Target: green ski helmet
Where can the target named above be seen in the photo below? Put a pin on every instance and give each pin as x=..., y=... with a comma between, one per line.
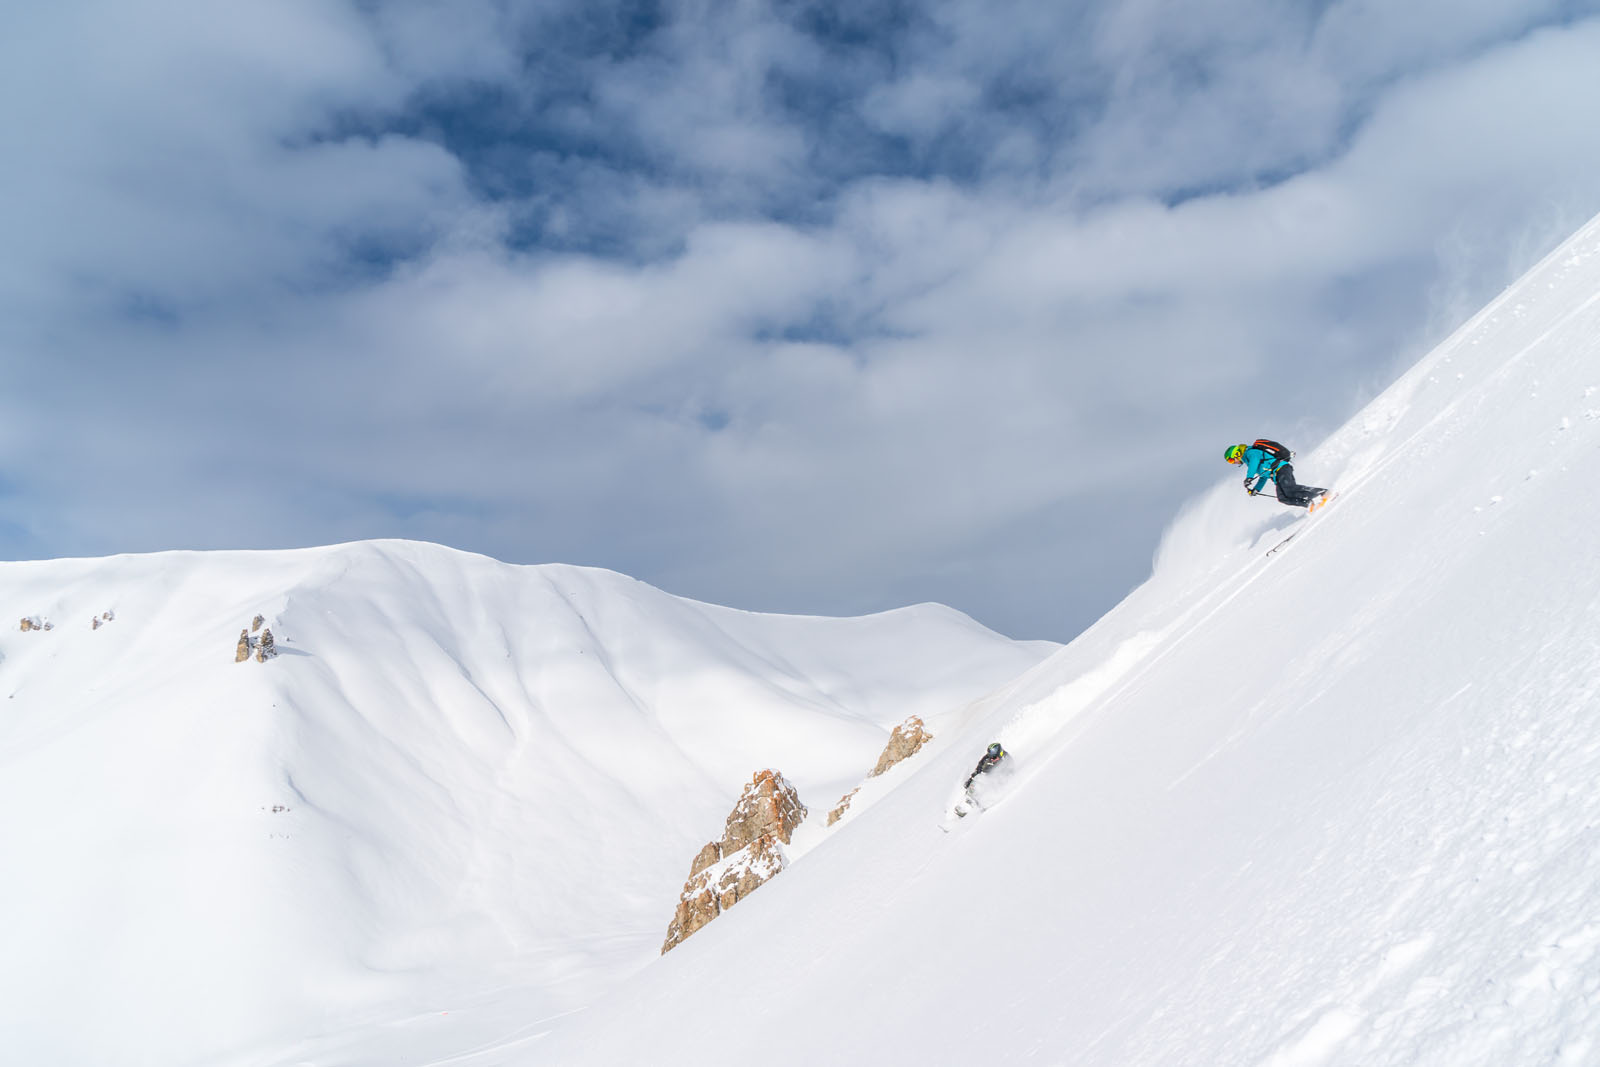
x=1234, y=454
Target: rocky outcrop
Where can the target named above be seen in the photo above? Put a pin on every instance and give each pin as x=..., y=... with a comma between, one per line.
x=101, y=619
x=749, y=854
x=34, y=622
x=769, y=807
x=262, y=648
x=904, y=742
x=843, y=806
x=708, y=855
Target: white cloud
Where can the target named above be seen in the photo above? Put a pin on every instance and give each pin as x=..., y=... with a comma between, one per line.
x=748, y=361
x=170, y=150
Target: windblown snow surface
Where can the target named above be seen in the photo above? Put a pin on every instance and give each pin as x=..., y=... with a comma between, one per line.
x=465, y=794
x=1336, y=806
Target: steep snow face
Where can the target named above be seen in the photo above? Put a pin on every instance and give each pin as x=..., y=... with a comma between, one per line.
x=1332, y=806
x=457, y=775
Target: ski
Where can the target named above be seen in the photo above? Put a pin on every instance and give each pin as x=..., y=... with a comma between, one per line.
x=1316, y=506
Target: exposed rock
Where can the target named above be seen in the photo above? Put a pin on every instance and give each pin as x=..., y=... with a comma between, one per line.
x=27, y=624
x=720, y=886
x=255, y=623
x=262, y=647
x=748, y=869
x=904, y=741
x=94, y=623
x=696, y=907
x=749, y=854
x=769, y=805
x=33, y=622
x=708, y=855
x=843, y=806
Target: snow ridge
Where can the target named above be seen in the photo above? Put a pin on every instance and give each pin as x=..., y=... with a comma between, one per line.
x=455, y=776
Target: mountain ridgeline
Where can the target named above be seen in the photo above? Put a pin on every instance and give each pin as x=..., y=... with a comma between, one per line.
x=438, y=775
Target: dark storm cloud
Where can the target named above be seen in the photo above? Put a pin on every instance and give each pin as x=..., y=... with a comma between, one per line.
x=793, y=306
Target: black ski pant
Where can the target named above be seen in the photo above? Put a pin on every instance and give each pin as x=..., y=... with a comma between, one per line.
x=1292, y=492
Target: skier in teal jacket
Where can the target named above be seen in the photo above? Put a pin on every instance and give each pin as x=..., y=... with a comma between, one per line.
x=1267, y=460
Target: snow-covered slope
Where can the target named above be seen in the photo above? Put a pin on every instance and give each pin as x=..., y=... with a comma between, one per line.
x=458, y=775
x=1335, y=806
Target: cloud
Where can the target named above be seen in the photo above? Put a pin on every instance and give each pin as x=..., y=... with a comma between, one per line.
x=796, y=307
x=170, y=155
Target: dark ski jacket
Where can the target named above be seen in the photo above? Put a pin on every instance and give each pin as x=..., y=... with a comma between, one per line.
x=986, y=764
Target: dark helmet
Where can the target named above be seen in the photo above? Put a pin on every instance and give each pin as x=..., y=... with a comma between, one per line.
x=995, y=751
